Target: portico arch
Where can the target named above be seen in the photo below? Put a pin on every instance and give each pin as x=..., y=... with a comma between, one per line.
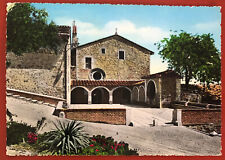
x=100, y=95
x=151, y=92
x=79, y=95
x=121, y=95
x=135, y=94
x=141, y=94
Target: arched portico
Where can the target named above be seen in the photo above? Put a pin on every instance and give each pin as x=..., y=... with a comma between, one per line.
x=141, y=94
x=79, y=95
x=151, y=92
x=135, y=95
x=100, y=96
x=121, y=95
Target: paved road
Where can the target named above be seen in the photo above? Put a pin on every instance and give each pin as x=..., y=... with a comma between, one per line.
x=158, y=140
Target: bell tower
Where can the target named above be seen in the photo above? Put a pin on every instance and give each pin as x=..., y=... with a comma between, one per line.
x=74, y=36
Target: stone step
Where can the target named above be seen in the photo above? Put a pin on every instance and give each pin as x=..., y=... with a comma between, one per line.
x=40, y=102
x=15, y=95
x=34, y=101
x=51, y=105
x=28, y=99
x=9, y=94
x=21, y=97
x=46, y=104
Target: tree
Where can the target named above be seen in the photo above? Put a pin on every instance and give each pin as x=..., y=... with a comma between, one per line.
x=28, y=30
x=192, y=56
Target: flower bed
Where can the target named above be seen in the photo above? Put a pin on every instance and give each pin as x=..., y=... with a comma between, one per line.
x=67, y=139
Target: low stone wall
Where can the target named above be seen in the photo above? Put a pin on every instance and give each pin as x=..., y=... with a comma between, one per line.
x=111, y=116
x=34, y=96
x=201, y=116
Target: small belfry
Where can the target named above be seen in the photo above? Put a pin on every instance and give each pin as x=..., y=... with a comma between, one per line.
x=74, y=35
x=116, y=31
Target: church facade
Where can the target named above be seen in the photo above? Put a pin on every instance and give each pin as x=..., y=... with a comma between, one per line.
x=115, y=70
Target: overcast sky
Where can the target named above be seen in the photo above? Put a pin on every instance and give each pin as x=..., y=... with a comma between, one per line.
x=143, y=24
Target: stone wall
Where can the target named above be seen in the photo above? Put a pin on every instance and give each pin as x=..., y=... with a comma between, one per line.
x=201, y=116
x=111, y=116
x=135, y=65
x=169, y=88
x=41, y=73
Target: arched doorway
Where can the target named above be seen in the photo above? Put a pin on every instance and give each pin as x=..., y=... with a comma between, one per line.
x=121, y=95
x=151, y=92
x=141, y=94
x=100, y=96
x=79, y=96
x=135, y=95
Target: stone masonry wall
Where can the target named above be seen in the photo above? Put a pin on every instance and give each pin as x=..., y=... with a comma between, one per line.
x=135, y=65
x=27, y=77
x=169, y=88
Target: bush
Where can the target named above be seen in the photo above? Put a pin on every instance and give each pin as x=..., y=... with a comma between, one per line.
x=17, y=132
x=100, y=145
x=67, y=138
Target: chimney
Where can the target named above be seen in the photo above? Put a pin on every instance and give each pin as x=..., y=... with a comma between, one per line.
x=74, y=35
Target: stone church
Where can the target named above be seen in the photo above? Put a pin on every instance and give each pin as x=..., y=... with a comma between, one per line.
x=111, y=70
x=115, y=70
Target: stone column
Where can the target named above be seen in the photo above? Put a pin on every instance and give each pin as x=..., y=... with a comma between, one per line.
x=178, y=89
x=146, y=91
x=89, y=98
x=68, y=68
x=160, y=93
x=110, y=97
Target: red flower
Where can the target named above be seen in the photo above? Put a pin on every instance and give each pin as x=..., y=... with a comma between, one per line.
x=112, y=147
x=96, y=150
x=92, y=145
x=32, y=137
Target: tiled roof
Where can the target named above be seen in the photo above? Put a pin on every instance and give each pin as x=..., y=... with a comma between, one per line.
x=120, y=38
x=167, y=73
x=104, y=83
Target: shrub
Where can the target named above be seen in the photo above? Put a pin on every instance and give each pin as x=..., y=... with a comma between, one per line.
x=67, y=138
x=100, y=145
x=17, y=132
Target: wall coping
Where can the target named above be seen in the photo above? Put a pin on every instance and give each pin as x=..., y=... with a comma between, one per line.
x=72, y=109
x=36, y=94
x=205, y=110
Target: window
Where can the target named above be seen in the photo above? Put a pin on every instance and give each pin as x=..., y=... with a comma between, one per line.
x=88, y=62
x=103, y=50
x=97, y=74
x=121, y=55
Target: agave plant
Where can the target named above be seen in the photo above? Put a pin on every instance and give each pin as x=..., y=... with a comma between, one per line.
x=68, y=138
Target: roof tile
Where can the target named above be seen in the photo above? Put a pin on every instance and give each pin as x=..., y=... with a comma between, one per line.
x=104, y=83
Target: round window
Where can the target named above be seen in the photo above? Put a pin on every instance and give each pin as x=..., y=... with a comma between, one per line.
x=97, y=74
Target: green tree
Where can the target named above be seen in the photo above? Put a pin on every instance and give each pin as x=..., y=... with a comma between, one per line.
x=28, y=29
x=192, y=56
